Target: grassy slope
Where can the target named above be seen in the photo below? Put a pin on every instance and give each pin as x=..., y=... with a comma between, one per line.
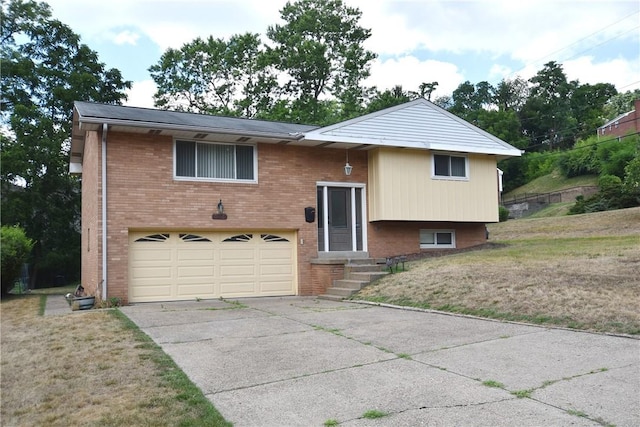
x=575, y=271
x=555, y=181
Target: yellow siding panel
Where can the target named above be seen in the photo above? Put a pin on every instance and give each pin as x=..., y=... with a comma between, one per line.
x=401, y=188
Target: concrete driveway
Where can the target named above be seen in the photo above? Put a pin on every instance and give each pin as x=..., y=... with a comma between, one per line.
x=302, y=362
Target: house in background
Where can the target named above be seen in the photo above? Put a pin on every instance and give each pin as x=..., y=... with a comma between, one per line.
x=181, y=206
x=623, y=125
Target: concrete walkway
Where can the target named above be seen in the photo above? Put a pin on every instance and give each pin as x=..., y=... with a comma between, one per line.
x=302, y=362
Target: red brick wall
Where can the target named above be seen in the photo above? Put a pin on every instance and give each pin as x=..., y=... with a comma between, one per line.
x=323, y=275
x=393, y=238
x=626, y=125
x=143, y=195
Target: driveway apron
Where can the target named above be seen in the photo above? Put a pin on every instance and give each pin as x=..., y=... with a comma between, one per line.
x=301, y=361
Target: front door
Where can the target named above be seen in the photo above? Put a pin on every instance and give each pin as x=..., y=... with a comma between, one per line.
x=340, y=213
x=340, y=226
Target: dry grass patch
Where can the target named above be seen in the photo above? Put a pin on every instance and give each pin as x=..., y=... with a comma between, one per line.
x=572, y=279
x=90, y=368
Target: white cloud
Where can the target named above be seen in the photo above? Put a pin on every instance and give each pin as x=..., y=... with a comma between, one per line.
x=623, y=74
x=410, y=72
x=126, y=37
x=141, y=94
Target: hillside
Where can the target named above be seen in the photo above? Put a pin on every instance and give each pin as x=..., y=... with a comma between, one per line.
x=555, y=181
x=577, y=271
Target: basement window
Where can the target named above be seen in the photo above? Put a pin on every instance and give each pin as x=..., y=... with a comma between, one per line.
x=214, y=161
x=437, y=239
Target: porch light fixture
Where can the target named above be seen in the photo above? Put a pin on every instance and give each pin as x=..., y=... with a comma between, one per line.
x=347, y=167
x=220, y=214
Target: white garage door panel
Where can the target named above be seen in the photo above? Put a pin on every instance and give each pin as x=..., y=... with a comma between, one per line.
x=150, y=290
x=194, y=290
x=275, y=288
x=167, y=266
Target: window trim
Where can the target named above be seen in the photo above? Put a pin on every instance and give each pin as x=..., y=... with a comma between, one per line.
x=176, y=177
x=435, y=245
x=449, y=177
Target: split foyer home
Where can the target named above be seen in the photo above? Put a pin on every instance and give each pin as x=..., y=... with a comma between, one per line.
x=182, y=206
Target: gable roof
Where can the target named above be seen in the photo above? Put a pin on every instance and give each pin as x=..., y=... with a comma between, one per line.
x=416, y=124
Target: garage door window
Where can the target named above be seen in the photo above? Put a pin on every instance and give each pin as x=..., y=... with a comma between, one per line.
x=214, y=161
x=153, y=238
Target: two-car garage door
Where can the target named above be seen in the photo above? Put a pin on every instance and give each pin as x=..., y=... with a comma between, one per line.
x=169, y=266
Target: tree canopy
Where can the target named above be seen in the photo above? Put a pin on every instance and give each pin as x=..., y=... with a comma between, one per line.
x=45, y=68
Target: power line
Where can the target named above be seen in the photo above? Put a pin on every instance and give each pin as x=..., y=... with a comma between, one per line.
x=583, y=38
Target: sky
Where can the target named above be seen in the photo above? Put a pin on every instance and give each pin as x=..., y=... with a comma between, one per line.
x=447, y=41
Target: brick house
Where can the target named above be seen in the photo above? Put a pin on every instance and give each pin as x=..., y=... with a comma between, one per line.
x=623, y=125
x=200, y=206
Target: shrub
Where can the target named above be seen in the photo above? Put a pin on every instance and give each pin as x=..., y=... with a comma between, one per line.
x=582, y=160
x=503, y=213
x=15, y=249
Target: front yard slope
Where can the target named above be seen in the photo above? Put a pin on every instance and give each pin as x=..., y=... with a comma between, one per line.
x=578, y=272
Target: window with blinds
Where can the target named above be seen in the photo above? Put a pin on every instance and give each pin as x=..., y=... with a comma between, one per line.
x=446, y=166
x=214, y=161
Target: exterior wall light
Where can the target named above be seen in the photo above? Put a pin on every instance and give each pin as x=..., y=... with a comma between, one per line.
x=348, y=168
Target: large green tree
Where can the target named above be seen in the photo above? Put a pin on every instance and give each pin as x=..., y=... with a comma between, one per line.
x=320, y=50
x=45, y=68
x=547, y=117
x=587, y=105
x=215, y=76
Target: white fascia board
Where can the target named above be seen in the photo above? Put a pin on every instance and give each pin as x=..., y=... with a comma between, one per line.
x=476, y=150
x=310, y=137
x=413, y=144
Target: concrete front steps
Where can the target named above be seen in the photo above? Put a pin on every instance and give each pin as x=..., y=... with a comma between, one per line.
x=358, y=273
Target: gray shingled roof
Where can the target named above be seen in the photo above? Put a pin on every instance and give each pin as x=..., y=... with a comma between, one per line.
x=146, y=117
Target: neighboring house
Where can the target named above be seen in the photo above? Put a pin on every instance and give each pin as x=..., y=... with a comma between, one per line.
x=420, y=179
x=623, y=125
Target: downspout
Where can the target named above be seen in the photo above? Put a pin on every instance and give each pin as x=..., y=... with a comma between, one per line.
x=105, y=127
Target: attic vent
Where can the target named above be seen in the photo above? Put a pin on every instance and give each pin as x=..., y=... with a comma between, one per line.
x=283, y=142
x=243, y=139
x=200, y=135
x=155, y=132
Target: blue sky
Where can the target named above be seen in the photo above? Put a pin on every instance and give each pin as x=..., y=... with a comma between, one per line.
x=416, y=41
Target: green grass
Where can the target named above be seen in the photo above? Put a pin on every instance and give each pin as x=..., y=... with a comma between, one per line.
x=373, y=414
x=555, y=181
x=492, y=383
x=554, y=209
x=201, y=411
x=331, y=423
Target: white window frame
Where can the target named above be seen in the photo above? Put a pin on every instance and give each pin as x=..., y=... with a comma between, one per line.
x=449, y=177
x=205, y=179
x=325, y=219
x=435, y=245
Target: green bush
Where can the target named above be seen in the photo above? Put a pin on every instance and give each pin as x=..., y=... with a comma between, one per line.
x=503, y=213
x=581, y=160
x=614, y=156
x=15, y=247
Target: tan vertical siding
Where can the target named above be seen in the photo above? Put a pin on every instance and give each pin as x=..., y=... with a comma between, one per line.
x=402, y=189
x=91, y=212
